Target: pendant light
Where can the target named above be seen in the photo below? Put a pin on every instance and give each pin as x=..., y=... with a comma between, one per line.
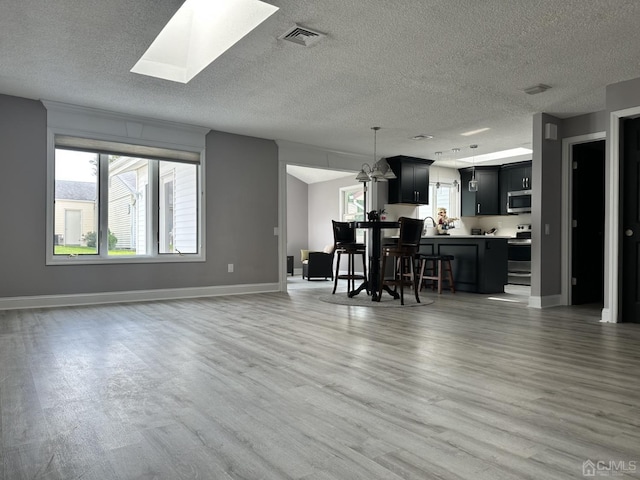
x=455, y=166
x=473, y=183
x=438, y=156
x=381, y=170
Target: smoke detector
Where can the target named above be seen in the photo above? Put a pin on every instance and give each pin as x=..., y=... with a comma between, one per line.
x=302, y=36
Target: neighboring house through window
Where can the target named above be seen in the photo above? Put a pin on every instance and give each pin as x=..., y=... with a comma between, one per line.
x=120, y=201
x=353, y=208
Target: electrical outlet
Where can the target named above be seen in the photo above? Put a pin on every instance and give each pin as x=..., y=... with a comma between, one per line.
x=230, y=268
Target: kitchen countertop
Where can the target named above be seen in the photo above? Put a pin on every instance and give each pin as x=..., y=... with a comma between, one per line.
x=475, y=237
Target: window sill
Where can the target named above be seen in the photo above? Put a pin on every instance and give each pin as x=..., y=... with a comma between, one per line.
x=96, y=260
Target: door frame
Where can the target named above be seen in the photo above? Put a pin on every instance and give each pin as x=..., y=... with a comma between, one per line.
x=610, y=312
x=567, y=213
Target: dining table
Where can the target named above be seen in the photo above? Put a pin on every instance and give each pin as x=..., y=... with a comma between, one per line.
x=372, y=284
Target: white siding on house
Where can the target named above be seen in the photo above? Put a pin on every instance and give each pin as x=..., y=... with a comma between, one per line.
x=185, y=208
x=121, y=209
x=142, y=183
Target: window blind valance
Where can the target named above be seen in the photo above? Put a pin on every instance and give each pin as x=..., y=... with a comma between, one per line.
x=83, y=128
x=125, y=149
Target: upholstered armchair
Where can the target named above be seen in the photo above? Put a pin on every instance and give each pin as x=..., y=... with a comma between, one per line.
x=317, y=264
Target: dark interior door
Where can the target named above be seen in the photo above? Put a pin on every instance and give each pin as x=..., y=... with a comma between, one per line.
x=630, y=261
x=587, y=239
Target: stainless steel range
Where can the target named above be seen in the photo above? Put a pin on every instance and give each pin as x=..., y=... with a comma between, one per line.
x=519, y=267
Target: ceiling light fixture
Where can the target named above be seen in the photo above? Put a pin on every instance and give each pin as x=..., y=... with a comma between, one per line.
x=422, y=136
x=381, y=171
x=535, y=89
x=473, y=183
x=198, y=33
x=455, y=166
x=438, y=156
x=474, y=132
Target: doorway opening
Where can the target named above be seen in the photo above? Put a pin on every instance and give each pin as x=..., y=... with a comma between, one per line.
x=587, y=222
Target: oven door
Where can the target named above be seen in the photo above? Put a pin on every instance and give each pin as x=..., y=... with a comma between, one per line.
x=519, y=263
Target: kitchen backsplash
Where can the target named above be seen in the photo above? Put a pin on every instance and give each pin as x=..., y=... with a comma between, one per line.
x=506, y=225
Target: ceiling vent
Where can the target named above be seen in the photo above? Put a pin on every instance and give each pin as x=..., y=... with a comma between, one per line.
x=302, y=36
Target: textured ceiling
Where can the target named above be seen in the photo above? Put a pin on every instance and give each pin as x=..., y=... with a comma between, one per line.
x=411, y=67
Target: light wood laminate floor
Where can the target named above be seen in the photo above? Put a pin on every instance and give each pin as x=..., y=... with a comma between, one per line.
x=279, y=386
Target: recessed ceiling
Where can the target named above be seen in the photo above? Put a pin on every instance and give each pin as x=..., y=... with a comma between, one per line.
x=315, y=175
x=442, y=67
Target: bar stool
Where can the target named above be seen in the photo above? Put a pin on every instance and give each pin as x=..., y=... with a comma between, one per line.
x=344, y=238
x=433, y=268
x=404, y=256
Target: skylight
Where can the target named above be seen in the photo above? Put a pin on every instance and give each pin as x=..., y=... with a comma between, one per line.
x=513, y=152
x=198, y=33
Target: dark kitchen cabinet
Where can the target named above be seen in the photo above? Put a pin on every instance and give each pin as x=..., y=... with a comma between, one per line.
x=412, y=184
x=519, y=176
x=486, y=200
x=513, y=178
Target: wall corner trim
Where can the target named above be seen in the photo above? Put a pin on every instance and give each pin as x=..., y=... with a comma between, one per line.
x=48, y=301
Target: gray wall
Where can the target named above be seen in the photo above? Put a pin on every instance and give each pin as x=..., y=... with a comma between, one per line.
x=547, y=177
x=297, y=218
x=241, y=216
x=584, y=124
x=546, y=209
x=324, y=206
x=623, y=95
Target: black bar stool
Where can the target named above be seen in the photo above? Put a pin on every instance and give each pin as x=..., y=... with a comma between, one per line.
x=404, y=256
x=344, y=238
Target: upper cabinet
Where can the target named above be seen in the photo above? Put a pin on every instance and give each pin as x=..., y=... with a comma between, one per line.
x=514, y=177
x=518, y=176
x=412, y=184
x=484, y=201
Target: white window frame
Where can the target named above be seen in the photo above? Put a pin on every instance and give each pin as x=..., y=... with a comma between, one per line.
x=454, y=201
x=360, y=233
x=72, y=121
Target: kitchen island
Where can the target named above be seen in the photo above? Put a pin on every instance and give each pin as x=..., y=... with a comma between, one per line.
x=480, y=264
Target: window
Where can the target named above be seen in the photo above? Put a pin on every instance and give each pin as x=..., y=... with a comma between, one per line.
x=123, y=188
x=444, y=197
x=112, y=205
x=353, y=208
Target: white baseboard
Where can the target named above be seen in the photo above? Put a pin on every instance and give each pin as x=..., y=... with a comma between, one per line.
x=45, y=301
x=545, y=301
x=606, y=316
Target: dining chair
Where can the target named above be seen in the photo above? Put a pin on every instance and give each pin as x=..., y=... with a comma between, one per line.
x=403, y=255
x=344, y=237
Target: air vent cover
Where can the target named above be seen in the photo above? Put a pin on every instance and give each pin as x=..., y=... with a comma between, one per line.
x=302, y=36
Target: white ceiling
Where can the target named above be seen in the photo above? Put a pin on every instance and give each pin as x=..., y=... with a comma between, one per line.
x=438, y=67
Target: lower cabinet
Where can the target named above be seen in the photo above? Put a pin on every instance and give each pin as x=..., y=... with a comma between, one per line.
x=480, y=263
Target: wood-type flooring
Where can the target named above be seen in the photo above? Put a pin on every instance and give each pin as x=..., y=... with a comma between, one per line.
x=283, y=386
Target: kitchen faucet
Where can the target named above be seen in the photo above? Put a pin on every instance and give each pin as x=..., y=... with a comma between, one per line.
x=432, y=220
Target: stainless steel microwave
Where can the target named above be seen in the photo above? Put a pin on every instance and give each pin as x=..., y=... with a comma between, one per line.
x=519, y=202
